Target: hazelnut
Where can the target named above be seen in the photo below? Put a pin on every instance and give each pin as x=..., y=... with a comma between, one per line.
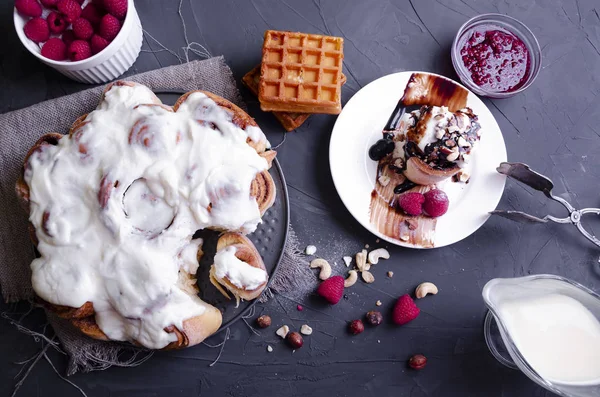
x=374, y=317
x=295, y=340
x=356, y=327
x=263, y=321
x=418, y=361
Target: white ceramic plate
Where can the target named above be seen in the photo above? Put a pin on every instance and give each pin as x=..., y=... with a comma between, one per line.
x=359, y=126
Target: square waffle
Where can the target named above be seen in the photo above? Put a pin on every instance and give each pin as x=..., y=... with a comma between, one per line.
x=290, y=121
x=301, y=73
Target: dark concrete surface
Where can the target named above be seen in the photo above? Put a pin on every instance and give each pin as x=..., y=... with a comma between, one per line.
x=554, y=126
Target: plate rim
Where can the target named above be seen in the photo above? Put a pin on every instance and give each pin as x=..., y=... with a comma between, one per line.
x=368, y=226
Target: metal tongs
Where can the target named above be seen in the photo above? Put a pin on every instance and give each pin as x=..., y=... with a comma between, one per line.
x=522, y=173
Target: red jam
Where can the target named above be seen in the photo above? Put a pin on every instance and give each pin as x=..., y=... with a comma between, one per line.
x=497, y=59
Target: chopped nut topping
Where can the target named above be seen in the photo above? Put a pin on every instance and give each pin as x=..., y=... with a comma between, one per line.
x=390, y=274
x=411, y=223
x=378, y=303
x=384, y=180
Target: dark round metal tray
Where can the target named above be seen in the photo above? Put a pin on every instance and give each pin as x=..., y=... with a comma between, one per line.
x=269, y=238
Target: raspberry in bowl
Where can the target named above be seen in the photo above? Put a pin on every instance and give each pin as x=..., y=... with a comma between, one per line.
x=93, y=42
x=496, y=55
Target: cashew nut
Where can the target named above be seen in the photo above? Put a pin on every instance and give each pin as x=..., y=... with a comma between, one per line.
x=351, y=280
x=368, y=277
x=325, y=268
x=377, y=254
x=425, y=288
x=283, y=331
x=361, y=260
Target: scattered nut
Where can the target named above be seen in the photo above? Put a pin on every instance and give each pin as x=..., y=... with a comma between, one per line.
x=269, y=348
x=283, y=331
x=418, y=361
x=424, y=289
x=378, y=303
x=263, y=321
x=356, y=327
x=379, y=253
x=390, y=274
x=295, y=340
x=347, y=260
x=361, y=260
x=368, y=277
x=310, y=250
x=351, y=279
x=374, y=317
x=323, y=265
x=305, y=330
x=411, y=223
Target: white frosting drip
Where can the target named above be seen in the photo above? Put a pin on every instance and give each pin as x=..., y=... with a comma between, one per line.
x=100, y=203
x=238, y=272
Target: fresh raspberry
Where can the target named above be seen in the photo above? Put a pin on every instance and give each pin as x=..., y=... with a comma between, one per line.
x=332, y=289
x=49, y=3
x=405, y=310
x=68, y=37
x=70, y=9
x=92, y=14
x=56, y=22
x=411, y=203
x=117, y=8
x=436, y=203
x=79, y=50
x=36, y=30
x=55, y=49
x=109, y=27
x=29, y=8
x=98, y=44
x=82, y=28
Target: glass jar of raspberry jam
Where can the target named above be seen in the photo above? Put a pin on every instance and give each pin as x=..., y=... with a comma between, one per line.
x=495, y=55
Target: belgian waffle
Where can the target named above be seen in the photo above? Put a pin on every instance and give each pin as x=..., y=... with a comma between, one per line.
x=301, y=73
x=290, y=121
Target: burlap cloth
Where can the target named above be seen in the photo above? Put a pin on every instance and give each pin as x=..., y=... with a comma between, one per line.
x=19, y=131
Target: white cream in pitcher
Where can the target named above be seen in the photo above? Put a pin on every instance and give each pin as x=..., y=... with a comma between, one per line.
x=557, y=335
x=116, y=205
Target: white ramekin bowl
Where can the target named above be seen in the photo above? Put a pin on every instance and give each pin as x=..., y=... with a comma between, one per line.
x=105, y=66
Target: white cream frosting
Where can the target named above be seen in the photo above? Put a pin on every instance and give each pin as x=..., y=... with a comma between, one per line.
x=115, y=208
x=238, y=272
